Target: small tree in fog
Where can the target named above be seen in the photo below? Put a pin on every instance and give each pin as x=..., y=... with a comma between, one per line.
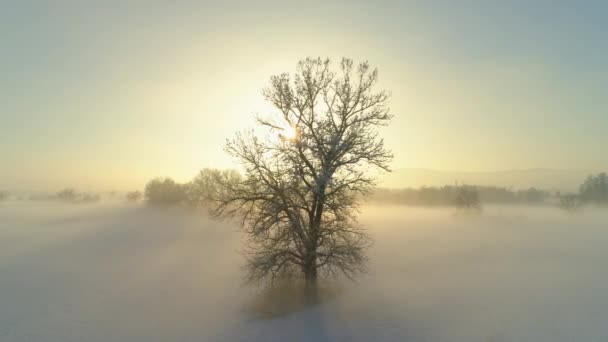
x=467, y=197
x=298, y=199
x=3, y=195
x=133, y=196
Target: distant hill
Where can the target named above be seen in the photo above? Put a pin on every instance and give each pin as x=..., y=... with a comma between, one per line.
x=548, y=179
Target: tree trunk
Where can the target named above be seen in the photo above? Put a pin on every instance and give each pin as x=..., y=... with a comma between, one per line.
x=310, y=276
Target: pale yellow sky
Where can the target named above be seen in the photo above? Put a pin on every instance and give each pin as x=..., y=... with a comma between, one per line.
x=109, y=96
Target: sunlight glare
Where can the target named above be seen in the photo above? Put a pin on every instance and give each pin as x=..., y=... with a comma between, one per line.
x=288, y=132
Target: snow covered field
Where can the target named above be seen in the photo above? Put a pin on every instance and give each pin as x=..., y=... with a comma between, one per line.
x=117, y=273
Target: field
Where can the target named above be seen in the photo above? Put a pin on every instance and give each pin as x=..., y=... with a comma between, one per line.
x=118, y=273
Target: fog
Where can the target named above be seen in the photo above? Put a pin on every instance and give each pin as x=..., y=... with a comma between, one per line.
x=115, y=272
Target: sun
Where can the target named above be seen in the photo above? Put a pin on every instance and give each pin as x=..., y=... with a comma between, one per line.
x=288, y=132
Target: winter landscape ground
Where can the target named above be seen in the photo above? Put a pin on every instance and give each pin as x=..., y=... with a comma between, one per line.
x=115, y=273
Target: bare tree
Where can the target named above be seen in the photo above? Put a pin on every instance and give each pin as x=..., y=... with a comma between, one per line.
x=298, y=199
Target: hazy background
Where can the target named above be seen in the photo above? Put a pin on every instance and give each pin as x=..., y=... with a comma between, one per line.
x=107, y=95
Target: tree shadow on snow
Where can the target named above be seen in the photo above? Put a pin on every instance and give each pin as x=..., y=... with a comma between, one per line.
x=286, y=297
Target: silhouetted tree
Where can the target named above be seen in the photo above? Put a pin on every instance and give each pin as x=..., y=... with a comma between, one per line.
x=133, y=196
x=3, y=195
x=164, y=191
x=298, y=199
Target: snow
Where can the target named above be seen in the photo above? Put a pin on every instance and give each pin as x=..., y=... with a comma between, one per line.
x=126, y=273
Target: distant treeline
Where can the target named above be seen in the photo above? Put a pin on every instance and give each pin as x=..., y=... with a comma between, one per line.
x=67, y=195
x=205, y=186
x=593, y=191
x=449, y=195
x=201, y=190
x=70, y=195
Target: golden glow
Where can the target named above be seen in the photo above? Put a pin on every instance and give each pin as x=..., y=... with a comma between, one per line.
x=288, y=132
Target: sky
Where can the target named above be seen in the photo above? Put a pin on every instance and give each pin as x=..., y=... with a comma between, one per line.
x=108, y=94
